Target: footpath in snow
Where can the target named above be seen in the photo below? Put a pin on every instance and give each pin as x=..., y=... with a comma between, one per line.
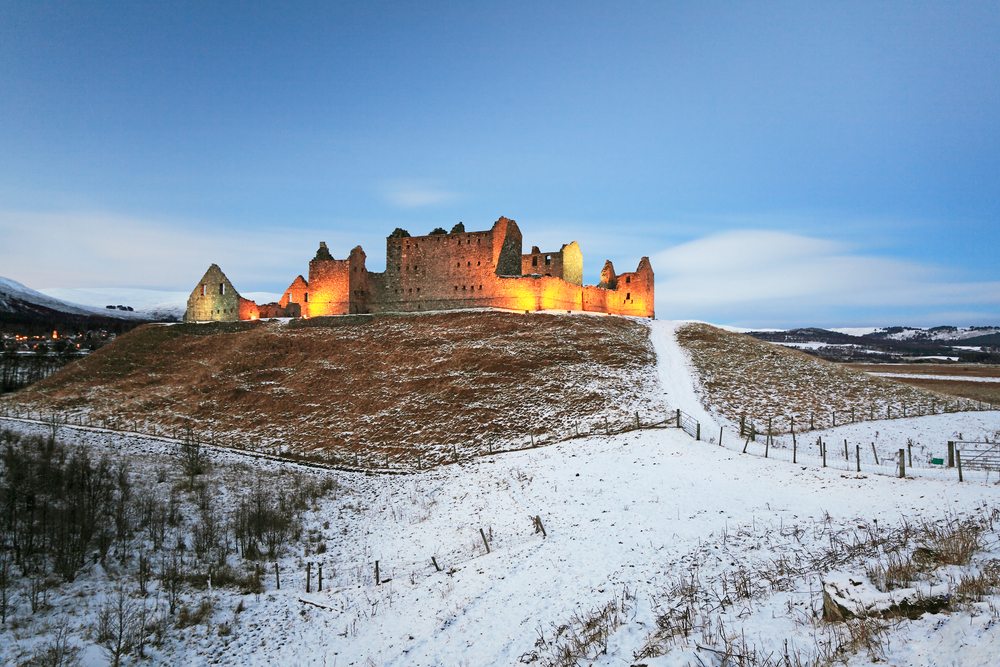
x=676, y=372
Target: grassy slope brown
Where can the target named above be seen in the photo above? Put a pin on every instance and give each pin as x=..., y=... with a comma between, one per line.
x=335, y=386
x=745, y=376
x=987, y=392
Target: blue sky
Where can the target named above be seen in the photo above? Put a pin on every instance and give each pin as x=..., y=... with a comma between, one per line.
x=781, y=163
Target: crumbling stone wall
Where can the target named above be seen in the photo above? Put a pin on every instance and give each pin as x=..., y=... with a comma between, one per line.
x=444, y=271
x=214, y=299
x=565, y=263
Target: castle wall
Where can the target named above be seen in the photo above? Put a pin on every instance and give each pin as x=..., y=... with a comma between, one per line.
x=214, y=299
x=442, y=271
x=329, y=288
x=439, y=272
x=566, y=263
x=297, y=292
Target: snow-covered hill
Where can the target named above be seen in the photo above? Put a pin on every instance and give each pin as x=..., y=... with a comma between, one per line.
x=658, y=550
x=15, y=296
x=151, y=303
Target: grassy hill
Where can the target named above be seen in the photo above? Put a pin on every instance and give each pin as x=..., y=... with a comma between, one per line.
x=741, y=375
x=372, y=386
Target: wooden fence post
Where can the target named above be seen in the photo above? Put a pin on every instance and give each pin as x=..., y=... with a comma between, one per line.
x=951, y=453
x=483, y=534
x=720, y=436
x=902, y=463
x=958, y=460
x=847, y=456
x=378, y=576
x=277, y=576
x=697, y=435
x=822, y=446
x=434, y=560
x=857, y=456
x=308, y=577
x=875, y=453
x=795, y=448
x=909, y=452
x=637, y=424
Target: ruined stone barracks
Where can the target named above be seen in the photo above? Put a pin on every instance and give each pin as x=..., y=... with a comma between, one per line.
x=440, y=271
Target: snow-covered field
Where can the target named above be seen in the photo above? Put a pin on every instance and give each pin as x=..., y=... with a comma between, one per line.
x=658, y=550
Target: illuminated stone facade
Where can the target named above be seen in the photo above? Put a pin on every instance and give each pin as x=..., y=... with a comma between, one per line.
x=484, y=269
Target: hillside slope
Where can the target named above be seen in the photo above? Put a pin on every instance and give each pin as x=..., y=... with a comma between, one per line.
x=741, y=375
x=370, y=386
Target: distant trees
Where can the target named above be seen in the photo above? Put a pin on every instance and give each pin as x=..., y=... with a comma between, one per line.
x=399, y=233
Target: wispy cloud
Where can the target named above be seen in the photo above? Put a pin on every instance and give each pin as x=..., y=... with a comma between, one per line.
x=92, y=249
x=411, y=194
x=780, y=277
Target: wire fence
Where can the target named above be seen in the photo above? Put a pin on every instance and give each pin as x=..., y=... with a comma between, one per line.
x=790, y=422
x=396, y=459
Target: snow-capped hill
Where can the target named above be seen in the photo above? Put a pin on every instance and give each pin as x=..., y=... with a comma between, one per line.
x=16, y=298
x=941, y=333
x=147, y=303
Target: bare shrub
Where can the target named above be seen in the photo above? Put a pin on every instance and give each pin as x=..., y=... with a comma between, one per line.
x=584, y=637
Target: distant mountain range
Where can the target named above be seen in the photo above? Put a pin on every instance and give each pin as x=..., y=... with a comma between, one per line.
x=25, y=310
x=99, y=307
x=943, y=343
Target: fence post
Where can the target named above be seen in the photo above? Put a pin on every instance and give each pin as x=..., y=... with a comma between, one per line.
x=958, y=460
x=607, y=428
x=909, y=452
x=308, y=577
x=902, y=463
x=795, y=448
x=822, y=447
x=697, y=435
x=951, y=453
x=378, y=577
x=720, y=436
x=847, y=456
x=678, y=417
x=637, y=425
x=857, y=456
x=875, y=453
x=484, y=540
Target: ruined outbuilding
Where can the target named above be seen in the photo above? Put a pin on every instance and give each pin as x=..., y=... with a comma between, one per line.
x=440, y=271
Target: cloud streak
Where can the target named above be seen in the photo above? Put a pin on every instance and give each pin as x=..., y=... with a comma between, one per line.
x=410, y=195
x=781, y=278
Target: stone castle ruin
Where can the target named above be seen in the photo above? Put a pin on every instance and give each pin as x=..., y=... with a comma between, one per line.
x=440, y=271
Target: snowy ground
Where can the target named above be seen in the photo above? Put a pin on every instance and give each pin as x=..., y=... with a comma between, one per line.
x=635, y=520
